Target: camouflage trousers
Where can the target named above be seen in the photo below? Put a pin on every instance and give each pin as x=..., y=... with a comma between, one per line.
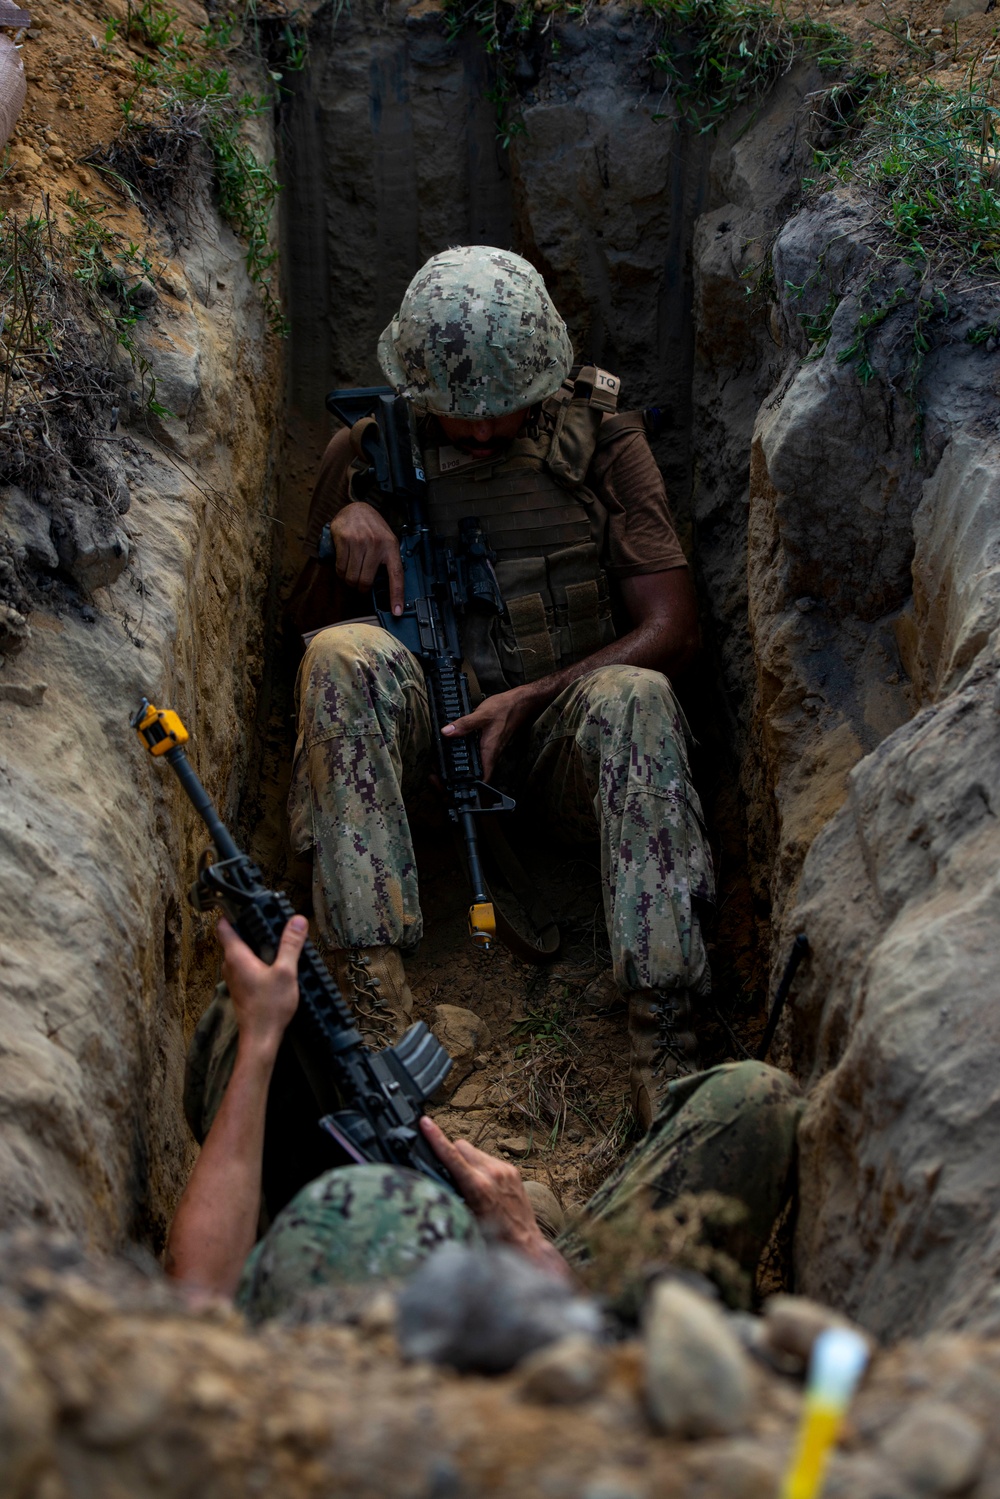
x=608, y=759
x=730, y=1130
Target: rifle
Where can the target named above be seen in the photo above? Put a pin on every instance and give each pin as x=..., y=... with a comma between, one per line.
x=441, y=584
x=368, y=1103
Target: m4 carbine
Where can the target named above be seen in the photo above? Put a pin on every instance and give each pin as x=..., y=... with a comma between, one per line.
x=369, y=1103
x=441, y=584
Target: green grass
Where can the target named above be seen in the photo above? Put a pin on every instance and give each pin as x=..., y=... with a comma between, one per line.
x=503, y=28
x=927, y=158
x=718, y=54
x=722, y=54
x=44, y=270
x=176, y=93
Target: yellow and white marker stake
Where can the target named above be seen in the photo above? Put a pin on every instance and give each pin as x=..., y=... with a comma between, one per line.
x=838, y=1361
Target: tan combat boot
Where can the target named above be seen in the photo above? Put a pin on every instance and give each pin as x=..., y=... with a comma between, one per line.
x=662, y=1047
x=373, y=983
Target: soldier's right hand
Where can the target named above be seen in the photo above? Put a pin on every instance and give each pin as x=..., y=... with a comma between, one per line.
x=364, y=541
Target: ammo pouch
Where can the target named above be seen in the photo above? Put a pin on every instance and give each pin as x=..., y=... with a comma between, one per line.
x=558, y=611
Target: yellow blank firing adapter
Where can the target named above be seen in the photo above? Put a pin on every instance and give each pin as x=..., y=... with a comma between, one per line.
x=837, y=1362
x=482, y=924
x=160, y=729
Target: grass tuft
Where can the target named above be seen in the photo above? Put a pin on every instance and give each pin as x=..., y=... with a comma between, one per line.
x=178, y=98
x=721, y=54
x=626, y=1253
x=928, y=159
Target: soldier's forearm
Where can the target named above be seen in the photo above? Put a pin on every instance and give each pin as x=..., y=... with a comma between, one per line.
x=652, y=644
x=215, y=1225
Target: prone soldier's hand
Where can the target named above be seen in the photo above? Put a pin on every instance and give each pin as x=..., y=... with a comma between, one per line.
x=364, y=541
x=495, y=1193
x=265, y=996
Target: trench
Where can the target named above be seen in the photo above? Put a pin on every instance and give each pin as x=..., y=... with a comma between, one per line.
x=844, y=708
x=844, y=549
x=390, y=153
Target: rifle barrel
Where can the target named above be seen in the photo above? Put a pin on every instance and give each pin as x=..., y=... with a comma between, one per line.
x=225, y=846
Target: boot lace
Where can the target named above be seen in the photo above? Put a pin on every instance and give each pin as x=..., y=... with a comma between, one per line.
x=369, y=1005
x=674, y=1038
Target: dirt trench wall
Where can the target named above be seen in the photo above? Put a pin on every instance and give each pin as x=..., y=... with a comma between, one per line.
x=391, y=154
x=98, y=951
x=869, y=733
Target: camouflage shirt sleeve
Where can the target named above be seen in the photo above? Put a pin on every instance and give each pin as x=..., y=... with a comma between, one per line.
x=641, y=537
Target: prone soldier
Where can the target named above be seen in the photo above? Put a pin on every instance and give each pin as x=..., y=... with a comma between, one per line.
x=730, y=1130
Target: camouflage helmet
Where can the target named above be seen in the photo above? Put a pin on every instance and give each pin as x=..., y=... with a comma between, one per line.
x=476, y=335
x=351, y=1225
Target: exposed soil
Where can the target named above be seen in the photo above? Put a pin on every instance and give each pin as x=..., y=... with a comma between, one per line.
x=554, y=1083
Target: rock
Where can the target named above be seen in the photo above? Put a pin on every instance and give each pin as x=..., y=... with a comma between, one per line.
x=14, y=631
x=614, y=1483
x=24, y=159
x=564, y=1373
x=959, y=10
x=378, y=1315
x=518, y=1145
x=486, y=1309
x=936, y=1447
x=738, y=1469
x=91, y=548
x=143, y=294
x=473, y=1094
x=900, y=995
x=698, y=1379
x=462, y=1033
x=26, y=695
x=956, y=566
x=131, y=1400
x=26, y=1417
x=547, y=1207
x=28, y=526
x=793, y=1323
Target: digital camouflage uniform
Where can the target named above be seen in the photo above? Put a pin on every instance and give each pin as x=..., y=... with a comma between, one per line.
x=607, y=759
x=730, y=1130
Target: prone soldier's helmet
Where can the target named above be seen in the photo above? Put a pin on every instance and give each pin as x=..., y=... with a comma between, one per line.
x=352, y=1226
x=476, y=334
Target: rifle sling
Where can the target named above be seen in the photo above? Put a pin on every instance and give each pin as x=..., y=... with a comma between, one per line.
x=543, y=924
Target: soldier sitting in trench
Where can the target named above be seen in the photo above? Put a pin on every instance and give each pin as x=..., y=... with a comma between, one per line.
x=729, y=1130
x=601, y=612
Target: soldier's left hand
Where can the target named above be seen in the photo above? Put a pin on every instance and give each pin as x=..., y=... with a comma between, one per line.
x=495, y=1192
x=497, y=718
